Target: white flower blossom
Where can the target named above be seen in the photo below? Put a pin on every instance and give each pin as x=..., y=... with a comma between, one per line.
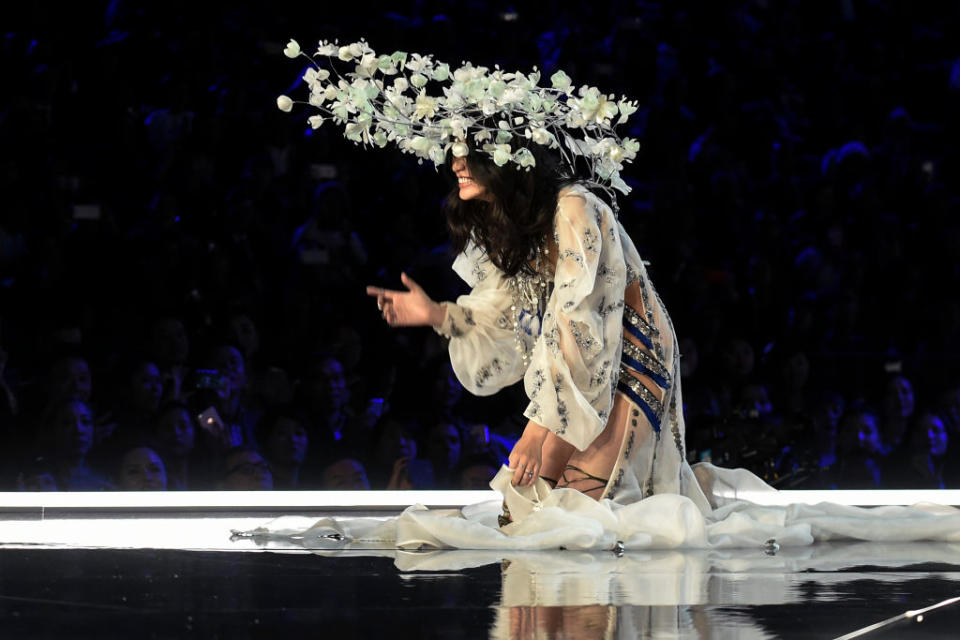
x=441, y=72
x=542, y=136
x=418, y=80
x=627, y=108
x=502, y=155
x=426, y=107
x=459, y=126
x=326, y=49
x=560, y=80
x=376, y=104
x=524, y=158
x=312, y=76
x=418, y=63
x=292, y=50
x=420, y=144
x=367, y=65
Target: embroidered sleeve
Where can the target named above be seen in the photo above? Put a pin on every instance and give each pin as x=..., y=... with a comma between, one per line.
x=482, y=347
x=570, y=380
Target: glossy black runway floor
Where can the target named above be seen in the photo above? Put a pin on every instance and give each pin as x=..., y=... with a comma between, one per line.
x=823, y=591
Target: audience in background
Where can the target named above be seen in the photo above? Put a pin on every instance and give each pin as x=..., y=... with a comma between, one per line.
x=182, y=266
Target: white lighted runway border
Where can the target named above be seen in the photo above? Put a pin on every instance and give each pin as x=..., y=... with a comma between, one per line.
x=203, y=520
x=393, y=501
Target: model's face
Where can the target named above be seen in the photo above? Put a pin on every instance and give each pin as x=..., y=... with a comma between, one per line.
x=469, y=188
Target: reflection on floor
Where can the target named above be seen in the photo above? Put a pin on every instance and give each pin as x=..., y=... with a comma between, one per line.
x=821, y=591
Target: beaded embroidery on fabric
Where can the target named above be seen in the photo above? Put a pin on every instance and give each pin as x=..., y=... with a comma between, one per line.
x=530, y=294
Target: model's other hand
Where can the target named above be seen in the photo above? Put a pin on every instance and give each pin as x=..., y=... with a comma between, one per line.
x=411, y=308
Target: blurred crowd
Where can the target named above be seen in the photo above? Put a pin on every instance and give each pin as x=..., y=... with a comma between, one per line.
x=182, y=266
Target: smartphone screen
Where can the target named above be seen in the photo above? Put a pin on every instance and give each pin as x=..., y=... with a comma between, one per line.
x=211, y=423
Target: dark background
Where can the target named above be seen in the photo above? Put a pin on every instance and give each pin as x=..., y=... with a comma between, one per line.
x=795, y=194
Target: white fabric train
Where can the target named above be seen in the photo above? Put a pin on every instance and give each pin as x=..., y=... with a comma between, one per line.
x=548, y=519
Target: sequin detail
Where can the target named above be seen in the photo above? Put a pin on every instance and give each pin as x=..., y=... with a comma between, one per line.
x=644, y=363
x=642, y=397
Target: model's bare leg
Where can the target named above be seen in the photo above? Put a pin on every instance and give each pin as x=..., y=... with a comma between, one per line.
x=556, y=453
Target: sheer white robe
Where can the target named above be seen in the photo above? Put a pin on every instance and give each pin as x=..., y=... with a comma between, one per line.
x=574, y=368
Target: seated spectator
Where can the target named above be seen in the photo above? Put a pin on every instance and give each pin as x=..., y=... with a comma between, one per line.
x=266, y=383
x=479, y=438
x=234, y=406
x=792, y=371
x=175, y=435
x=344, y=474
x=948, y=407
x=444, y=446
x=69, y=379
x=322, y=394
x=138, y=397
x=216, y=391
x=699, y=398
x=169, y=348
x=283, y=435
x=66, y=435
x=753, y=401
x=859, y=465
x=446, y=390
x=898, y=408
x=37, y=475
x=921, y=465
x=141, y=469
x=244, y=469
x=394, y=449
x=827, y=412
x=733, y=368
x=474, y=472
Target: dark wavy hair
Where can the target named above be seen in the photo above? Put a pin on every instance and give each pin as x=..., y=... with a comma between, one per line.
x=519, y=216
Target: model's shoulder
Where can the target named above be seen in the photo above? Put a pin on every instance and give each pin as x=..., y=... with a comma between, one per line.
x=576, y=200
x=574, y=190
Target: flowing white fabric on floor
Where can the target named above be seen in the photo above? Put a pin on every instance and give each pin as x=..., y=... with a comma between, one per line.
x=546, y=519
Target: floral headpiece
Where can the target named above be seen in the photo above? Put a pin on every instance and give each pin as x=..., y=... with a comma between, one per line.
x=385, y=100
